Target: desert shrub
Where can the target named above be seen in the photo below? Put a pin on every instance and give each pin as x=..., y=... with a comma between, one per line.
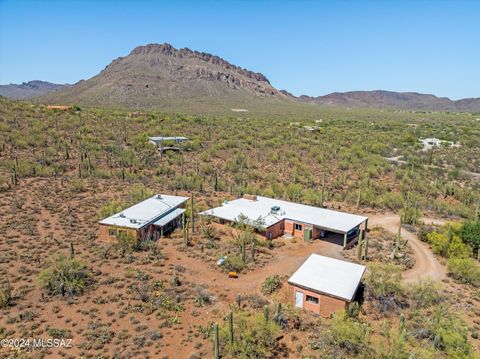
x=448, y=245
x=59, y=333
x=254, y=337
x=138, y=192
x=210, y=233
x=443, y=329
x=345, y=337
x=383, y=284
x=410, y=215
x=424, y=294
x=234, y=264
x=465, y=270
x=271, y=284
x=77, y=185
x=470, y=234
x=65, y=276
x=6, y=297
x=109, y=209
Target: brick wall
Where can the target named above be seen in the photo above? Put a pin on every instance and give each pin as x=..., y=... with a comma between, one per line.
x=326, y=304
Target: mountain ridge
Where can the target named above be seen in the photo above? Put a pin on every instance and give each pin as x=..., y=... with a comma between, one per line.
x=163, y=77
x=29, y=89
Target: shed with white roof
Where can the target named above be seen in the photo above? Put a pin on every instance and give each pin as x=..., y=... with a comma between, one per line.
x=325, y=285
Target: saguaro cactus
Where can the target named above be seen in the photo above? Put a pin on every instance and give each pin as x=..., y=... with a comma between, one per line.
x=401, y=323
x=360, y=245
x=242, y=248
x=193, y=213
x=265, y=313
x=230, y=327
x=72, y=251
x=216, y=342
x=366, y=247
x=252, y=248
x=239, y=300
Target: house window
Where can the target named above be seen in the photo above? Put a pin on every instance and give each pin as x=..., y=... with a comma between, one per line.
x=298, y=227
x=112, y=232
x=310, y=299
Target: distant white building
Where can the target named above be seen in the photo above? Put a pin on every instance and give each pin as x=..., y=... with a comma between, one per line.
x=432, y=142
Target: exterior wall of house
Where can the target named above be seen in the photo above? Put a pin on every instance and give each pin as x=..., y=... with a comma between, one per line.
x=276, y=230
x=105, y=236
x=326, y=304
x=299, y=233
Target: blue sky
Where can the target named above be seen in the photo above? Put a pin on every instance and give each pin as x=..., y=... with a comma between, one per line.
x=305, y=47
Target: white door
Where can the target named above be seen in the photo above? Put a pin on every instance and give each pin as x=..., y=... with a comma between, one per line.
x=299, y=299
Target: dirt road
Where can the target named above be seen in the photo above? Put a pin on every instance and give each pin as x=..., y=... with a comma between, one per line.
x=426, y=265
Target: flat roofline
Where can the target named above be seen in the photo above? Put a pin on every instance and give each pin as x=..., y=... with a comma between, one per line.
x=326, y=293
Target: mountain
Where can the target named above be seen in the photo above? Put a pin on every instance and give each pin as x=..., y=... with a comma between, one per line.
x=160, y=76
x=28, y=89
x=398, y=100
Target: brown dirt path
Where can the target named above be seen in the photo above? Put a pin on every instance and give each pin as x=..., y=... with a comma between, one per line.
x=426, y=265
x=286, y=260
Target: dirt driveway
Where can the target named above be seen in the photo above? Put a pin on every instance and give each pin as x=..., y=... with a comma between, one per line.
x=426, y=265
x=289, y=257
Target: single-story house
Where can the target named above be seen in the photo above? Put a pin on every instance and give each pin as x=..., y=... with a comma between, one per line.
x=279, y=218
x=149, y=219
x=325, y=285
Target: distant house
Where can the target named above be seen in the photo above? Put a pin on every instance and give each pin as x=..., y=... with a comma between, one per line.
x=325, y=285
x=59, y=107
x=149, y=219
x=290, y=219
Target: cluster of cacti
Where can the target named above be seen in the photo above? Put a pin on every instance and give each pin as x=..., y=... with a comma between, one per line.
x=362, y=243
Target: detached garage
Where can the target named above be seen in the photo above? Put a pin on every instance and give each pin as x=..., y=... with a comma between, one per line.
x=325, y=285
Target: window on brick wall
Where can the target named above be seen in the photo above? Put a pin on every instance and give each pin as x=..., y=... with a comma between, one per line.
x=298, y=227
x=310, y=299
x=112, y=232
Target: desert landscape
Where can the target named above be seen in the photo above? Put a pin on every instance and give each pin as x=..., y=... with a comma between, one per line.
x=174, y=204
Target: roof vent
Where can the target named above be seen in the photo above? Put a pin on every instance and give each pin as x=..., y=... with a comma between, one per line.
x=133, y=221
x=121, y=215
x=159, y=196
x=275, y=209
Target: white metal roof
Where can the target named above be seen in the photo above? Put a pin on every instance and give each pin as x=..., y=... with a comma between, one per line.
x=262, y=208
x=169, y=217
x=144, y=212
x=329, y=275
x=156, y=139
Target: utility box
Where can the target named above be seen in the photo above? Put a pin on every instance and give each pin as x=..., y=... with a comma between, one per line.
x=307, y=234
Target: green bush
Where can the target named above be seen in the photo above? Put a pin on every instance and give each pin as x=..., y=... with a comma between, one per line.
x=465, y=270
x=271, y=284
x=65, y=276
x=345, y=337
x=470, y=234
x=6, y=297
x=383, y=287
x=109, y=209
x=253, y=337
x=234, y=264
